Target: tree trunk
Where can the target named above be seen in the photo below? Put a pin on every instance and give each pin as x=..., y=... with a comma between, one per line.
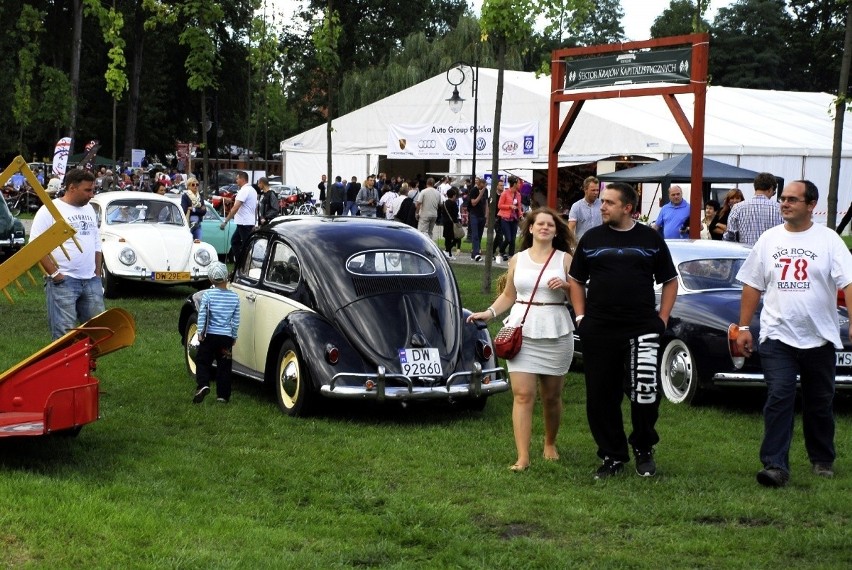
x=135, y=79
x=76, y=49
x=204, y=122
x=495, y=168
x=839, y=113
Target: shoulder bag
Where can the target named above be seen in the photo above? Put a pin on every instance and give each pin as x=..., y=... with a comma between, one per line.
x=507, y=343
x=458, y=229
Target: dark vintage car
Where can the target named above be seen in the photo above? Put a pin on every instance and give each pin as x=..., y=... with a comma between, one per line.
x=352, y=308
x=694, y=353
x=11, y=232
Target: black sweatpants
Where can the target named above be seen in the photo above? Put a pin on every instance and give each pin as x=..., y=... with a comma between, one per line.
x=615, y=367
x=215, y=347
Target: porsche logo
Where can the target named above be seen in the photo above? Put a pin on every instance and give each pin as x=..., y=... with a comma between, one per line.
x=401, y=144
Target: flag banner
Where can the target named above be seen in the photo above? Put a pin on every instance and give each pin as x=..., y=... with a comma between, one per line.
x=88, y=161
x=659, y=66
x=60, y=156
x=435, y=140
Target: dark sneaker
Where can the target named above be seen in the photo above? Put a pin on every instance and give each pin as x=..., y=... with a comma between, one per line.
x=478, y=258
x=772, y=477
x=645, y=466
x=824, y=470
x=222, y=400
x=201, y=394
x=608, y=468
x=505, y=257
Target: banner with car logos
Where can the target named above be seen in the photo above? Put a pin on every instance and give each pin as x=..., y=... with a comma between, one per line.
x=456, y=141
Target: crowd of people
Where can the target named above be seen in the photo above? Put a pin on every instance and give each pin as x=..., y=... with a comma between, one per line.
x=601, y=262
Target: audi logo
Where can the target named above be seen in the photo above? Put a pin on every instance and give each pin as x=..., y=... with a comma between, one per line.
x=426, y=143
x=451, y=144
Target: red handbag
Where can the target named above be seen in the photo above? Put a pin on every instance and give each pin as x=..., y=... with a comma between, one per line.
x=507, y=343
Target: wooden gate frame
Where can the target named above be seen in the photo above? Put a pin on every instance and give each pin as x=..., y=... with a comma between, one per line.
x=694, y=133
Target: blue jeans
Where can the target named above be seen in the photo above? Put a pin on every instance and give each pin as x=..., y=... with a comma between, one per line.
x=72, y=301
x=816, y=367
x=351, y=208
x=510, y=234
x=477, y=225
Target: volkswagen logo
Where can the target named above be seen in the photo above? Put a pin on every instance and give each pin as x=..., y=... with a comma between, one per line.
x=480, y=143
x=451, y=144
x=426, y=143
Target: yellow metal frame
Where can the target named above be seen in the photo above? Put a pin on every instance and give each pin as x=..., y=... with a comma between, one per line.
x=31, y=254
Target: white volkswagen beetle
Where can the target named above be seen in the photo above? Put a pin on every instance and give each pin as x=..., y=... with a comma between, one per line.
x=145, y=237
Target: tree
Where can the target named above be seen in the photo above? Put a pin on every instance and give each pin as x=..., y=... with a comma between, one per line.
x=680, y=18
x=30, y=24
x=750, y=48
x=602, y=25
x=325, y=40
x=839, y=114
x=816, y=43
x=504, y=23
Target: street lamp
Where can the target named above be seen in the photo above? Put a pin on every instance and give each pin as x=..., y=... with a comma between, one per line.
x=456, y=76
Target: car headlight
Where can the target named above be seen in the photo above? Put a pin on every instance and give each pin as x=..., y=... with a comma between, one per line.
x=127, y=256
x=202, y=257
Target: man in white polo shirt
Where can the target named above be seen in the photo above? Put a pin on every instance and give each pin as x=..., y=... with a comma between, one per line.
x=244, y=213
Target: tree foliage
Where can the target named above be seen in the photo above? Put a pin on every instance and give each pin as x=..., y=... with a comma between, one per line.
x=678, y=19
x=750, y=46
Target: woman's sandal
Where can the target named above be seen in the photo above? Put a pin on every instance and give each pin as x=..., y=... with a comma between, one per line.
x=551, y=458
x=517, y=467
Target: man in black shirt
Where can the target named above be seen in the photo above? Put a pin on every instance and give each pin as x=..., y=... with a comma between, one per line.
x=620, y=327
x=476, y=216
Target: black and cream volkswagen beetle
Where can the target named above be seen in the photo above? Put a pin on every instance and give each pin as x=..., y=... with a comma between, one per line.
x=352, y=308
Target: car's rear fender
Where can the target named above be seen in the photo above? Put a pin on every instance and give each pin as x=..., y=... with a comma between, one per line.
x=311, y=333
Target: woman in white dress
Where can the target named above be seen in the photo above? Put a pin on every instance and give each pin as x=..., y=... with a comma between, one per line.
x=548, y=341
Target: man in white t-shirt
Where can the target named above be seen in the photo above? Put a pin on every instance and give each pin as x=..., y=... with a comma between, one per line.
x=798, y=266
x=73, y=284
x=388, y=200
x=244, y=214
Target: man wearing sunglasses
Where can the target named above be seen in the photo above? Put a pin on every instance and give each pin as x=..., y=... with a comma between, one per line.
x=798, y=267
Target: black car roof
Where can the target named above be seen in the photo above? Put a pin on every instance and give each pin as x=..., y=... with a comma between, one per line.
x=333, y=239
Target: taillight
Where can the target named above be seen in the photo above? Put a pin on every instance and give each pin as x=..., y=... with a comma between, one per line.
x=484, y=351
x=332, y=354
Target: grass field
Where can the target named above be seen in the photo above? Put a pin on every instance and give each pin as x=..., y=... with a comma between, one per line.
x=161, y=483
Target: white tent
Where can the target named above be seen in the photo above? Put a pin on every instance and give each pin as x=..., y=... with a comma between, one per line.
x=786, y=133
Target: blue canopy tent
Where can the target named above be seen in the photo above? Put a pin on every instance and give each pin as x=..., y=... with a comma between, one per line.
x=678, y=169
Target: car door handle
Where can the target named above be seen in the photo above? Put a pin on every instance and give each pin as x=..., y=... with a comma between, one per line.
x=251, y=297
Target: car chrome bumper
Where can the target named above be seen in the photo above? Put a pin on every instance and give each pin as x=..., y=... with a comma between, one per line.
x=459, y=385
x=17, y=242
x=756, y=379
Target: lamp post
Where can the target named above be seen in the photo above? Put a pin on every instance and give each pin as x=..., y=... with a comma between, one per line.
x=456, y=76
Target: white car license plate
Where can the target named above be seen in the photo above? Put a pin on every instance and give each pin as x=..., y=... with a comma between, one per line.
x=420, y=362
x=844, y=358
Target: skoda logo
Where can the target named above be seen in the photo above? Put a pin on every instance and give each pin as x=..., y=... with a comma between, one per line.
x=510, y=147
x=480, y=143
x=451, y=144
x=426, y=143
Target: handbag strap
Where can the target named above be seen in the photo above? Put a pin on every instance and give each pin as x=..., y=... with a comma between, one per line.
x=536, y=285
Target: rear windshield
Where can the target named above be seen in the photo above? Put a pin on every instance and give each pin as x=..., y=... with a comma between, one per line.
x=389, y=263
